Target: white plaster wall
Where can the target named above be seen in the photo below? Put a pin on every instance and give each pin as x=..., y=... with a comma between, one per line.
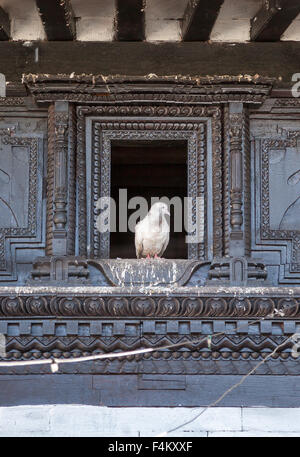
x=95, y=19
x=233, y=22
x=26, y=23
x=163, y=19
x=79, y=420
x=292, y=33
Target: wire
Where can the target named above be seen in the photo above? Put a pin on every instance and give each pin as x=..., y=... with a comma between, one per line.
x=228, y=390
x=54, y=362
x=108, y=355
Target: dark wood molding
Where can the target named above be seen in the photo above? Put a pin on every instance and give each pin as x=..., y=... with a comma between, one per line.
x=4, y=25
x=154, y=89
x=58, y=19
x=264, y=59
x=273, y=19
x=155, y=389
x=130, y=20
x=120, y=302
x=199, y=18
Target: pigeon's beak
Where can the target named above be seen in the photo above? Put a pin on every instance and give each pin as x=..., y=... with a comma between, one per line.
x=167, y=212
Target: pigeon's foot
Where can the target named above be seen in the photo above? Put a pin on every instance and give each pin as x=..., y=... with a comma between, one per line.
x=156, y=256
x=148, y=256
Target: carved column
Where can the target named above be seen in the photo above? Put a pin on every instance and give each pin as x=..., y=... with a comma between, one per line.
x=238, y=151
x=237, y=267
x=59, y=129
x=60, y=263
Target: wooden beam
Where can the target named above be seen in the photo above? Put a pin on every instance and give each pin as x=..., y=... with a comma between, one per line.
x=112, y=58
x=273, y=19
x=130, y=20
x=4, y=25
x=58, y=19
x=199, y=19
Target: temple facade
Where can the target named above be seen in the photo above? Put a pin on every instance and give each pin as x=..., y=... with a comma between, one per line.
x=214, y=124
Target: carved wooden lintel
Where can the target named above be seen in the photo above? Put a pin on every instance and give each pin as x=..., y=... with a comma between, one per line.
x=149, y=88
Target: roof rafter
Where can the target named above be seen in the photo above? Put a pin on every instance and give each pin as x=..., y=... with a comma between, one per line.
x=4, y=25
x=130, y=20
x=58, y=19
x=273, y=19
x=199, y=19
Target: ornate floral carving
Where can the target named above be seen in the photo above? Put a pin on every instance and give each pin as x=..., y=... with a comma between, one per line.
x=200, y=99
x=36, y=305
x=143, y=306
x=71, y=182
x=287, y=102
x=94, y=306
x=12, y=101
x=60, y=173
x=50, y=180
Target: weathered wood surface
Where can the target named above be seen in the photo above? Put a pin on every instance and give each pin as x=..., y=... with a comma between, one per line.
x=58, y=19
x=130, y=20
x=4, y=25
x=199, y=19
x=161, y=390
x=273, y=19
x=266, y=59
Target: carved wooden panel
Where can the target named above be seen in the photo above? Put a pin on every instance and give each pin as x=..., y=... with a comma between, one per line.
x=276, y=169
x=21, y=178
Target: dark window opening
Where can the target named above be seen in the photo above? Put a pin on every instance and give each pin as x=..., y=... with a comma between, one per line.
x=149, y=169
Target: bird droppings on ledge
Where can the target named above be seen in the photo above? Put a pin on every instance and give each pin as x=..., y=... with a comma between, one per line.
x=119, y=78
x=150, y=290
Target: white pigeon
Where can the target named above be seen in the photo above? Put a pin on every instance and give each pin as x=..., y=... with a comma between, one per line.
x=152, y=233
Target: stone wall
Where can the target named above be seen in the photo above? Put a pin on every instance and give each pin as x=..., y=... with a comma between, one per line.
x=79, y=420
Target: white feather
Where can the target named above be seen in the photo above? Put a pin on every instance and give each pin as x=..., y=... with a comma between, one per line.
x=152, y=234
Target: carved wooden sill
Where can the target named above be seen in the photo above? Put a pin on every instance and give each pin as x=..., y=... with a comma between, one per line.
x=147, y=272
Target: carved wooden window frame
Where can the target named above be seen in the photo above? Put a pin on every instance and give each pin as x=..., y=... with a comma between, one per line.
x=146, y=122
